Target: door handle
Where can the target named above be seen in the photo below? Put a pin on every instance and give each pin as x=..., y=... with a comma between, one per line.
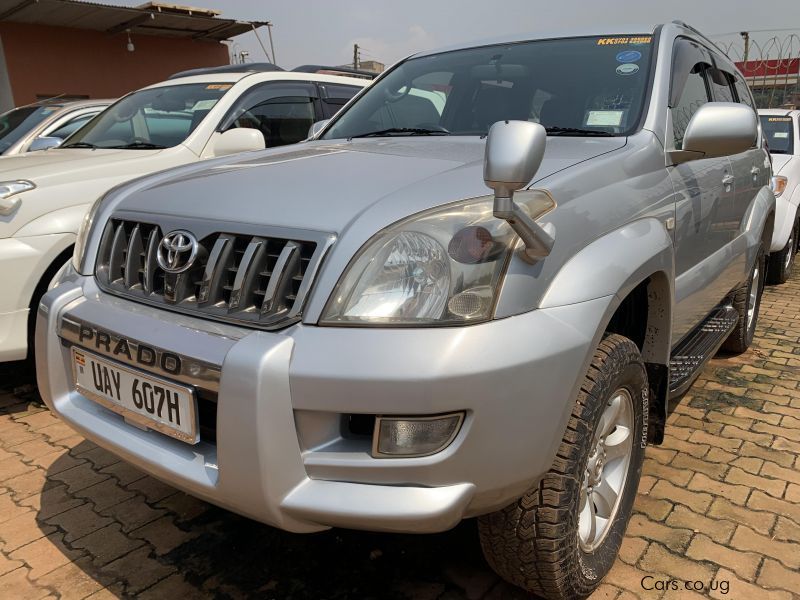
x=755, y=172
x=727, y=180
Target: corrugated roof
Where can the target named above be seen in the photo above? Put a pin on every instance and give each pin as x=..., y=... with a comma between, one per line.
x=148, y=20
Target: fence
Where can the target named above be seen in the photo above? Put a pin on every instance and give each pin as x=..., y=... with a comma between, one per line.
x=771, y=68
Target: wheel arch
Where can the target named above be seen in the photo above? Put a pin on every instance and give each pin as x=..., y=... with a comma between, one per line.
x=638, y=274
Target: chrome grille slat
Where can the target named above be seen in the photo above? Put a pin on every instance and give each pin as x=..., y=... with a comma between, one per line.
x=245, y=278
x=257, y=278
x=278, y=273
x=133, y=257
x=150, y=260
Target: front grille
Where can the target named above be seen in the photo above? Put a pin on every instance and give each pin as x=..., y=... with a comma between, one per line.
x=258, y=280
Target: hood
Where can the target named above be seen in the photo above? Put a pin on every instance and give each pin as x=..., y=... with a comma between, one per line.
x=779, y=162
x=325, y=185
x=51, y=166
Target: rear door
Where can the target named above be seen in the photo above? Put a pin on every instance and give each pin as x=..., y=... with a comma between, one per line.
x=705, y=192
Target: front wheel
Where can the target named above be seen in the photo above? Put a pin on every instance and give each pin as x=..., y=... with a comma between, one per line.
x=747, y=301
x=780, y=264
x=561, y=538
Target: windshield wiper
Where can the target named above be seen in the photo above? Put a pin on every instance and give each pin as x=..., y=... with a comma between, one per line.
x=79, y=145
x=576, y=131
x=138, y=146
x=402, y=131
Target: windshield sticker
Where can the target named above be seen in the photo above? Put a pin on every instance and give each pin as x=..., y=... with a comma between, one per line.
x=779, y=119
x=219, y=86
x=619, y=41
x=604, y=118
x=781, y=134
x=627, y=69
x=204, y=104
x=629, y=56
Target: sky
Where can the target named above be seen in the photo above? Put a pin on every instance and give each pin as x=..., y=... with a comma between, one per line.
x=323, y=32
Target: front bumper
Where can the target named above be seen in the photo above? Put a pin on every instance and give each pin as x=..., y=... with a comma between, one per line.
x=279, y=456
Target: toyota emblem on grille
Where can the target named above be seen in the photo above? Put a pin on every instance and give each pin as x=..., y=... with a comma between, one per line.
x=177, y=251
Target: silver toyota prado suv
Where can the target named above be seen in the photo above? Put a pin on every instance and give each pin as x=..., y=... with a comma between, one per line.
x=355, y=332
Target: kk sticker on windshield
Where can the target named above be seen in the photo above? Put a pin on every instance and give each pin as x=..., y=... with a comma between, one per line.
x=629, y=56
x=627, y=69
x=619, y=41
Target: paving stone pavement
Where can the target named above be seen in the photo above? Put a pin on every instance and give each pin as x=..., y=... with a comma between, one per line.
x=718, y=508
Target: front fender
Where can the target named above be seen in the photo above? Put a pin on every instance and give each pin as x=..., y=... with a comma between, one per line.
x=785, y=219
x=614, y=264
x=63, y=220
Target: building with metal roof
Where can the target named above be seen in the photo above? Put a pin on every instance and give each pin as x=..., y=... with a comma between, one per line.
x=72, y=49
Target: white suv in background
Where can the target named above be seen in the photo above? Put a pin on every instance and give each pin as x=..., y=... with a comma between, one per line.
x=782, y=132
x=44, y=124
x=45, y=196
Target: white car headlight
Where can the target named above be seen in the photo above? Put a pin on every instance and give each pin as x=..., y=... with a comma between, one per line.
x=439, y=267
x=8, y=189
x=83, y=236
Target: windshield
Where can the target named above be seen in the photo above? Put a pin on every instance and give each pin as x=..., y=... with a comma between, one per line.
x=573, y=86
x=153, y=118
x=779, y=133
x=14, y=124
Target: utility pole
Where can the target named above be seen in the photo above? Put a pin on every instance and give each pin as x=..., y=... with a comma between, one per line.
x=356, y=57
x=746, y=37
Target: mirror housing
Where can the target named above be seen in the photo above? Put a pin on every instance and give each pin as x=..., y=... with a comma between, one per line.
x=44, y=143
x=316, y=128
x=241, y=139
x=514, y=152
x=718, y=129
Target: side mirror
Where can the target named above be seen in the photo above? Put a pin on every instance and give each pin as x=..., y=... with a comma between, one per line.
x=316, y=128
x=241, y=139
x=43, y=143
x=718, y=129
x=514, y=152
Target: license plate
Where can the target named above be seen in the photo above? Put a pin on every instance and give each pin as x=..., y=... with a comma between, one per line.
x=145, y=400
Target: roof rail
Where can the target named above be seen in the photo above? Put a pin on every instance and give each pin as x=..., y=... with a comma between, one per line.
x=242, y=68
x=335, y=70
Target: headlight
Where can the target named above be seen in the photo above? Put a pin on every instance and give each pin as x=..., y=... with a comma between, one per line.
x=778, y=184
x=9, y=189
x=439, y=267
x=83, y=236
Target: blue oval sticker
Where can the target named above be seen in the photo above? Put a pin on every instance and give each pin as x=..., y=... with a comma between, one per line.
x=629, y=56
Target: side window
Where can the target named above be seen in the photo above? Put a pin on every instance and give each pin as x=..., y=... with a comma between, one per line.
x=695, y=94
x=721, y=85
x=689, y=88
x=70, y=127
x=335, y=97
x=743, y=92
x=282, y=112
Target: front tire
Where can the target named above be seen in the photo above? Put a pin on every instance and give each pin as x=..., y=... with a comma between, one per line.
x=747, y=302
x=779, y=267
x=561, y=538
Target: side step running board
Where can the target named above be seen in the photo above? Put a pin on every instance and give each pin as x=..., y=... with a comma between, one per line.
x=698, y=348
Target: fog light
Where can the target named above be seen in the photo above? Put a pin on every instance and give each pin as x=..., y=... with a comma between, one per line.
x=414, y=436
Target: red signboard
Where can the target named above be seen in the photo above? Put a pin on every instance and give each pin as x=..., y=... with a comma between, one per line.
x=770, y=68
